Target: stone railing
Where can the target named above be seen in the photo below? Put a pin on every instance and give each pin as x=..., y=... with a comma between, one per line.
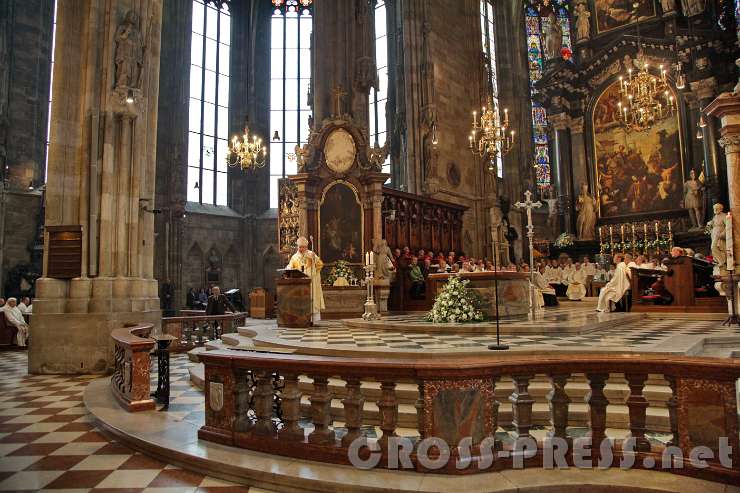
x=253, y=400
x=195, y=330
x=130, y=381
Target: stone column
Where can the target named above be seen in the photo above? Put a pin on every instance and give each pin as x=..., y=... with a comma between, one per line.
x=101, y=176
x=727, y=108
x=562, y=166
x=705, y=91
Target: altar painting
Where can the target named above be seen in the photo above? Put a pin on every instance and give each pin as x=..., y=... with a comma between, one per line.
x=636, y=172
x=340, y=224
x=613, y=14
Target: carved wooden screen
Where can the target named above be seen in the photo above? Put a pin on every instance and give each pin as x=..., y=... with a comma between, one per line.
x=288, y=217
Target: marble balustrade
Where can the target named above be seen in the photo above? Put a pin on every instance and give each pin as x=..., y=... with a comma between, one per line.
x=130, y=381
x=194, y=328
x=253, y=400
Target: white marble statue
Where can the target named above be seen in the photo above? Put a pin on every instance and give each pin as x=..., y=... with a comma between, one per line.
x=586, y=220
x=693, y=199
x=310, y=264
x=719, y=239
x=583, y=24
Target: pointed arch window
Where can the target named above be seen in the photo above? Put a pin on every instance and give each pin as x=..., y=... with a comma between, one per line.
x=290, y=86
x=208, y=108
x=379, y=95
x=489, y=53
x=538, y=15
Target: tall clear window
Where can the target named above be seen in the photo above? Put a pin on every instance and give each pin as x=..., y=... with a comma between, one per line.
x=379, y=95
x=489, y=52
x=538, y=15
x=290, y=81
x=51, y=86
x=209, y=103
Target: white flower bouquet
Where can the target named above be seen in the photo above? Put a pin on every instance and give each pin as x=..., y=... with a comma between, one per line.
x=456, y=304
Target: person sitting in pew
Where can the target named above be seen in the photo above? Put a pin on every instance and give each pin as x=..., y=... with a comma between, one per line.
x=617, y=289
x=576, y=283
x=416, y=276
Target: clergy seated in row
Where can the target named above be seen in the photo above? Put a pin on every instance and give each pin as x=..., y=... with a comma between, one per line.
x=416, y=276
x=14, y=317
x=616, y=291
x=576, y=281
x=25, y=305
x=544, y=293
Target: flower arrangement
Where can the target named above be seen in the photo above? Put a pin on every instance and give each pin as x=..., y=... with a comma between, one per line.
x=456, y=304
x=564, y=240
x=341, y=269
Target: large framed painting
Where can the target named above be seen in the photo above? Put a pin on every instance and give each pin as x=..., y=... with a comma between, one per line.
x=340, y=223
x=636, y=172
x=613, y=14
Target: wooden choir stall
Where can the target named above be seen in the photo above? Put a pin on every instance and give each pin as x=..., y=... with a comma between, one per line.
x=687, y=286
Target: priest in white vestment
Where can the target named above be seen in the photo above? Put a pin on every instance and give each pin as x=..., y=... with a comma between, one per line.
x=310, y=264
x=577, y=283
x=14, y=317
x=544, y=293
x=616, y=288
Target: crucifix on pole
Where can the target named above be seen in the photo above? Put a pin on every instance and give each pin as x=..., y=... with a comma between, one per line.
x=529, y=205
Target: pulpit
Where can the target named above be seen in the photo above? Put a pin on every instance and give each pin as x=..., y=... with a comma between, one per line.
x=294, y=300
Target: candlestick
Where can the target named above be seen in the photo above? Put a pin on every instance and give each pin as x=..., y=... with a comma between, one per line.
x=669, y=226
x=372, y=257
x=610, y=235
x=367, y=258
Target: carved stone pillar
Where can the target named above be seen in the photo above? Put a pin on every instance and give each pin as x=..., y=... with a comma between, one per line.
x=704, y=91
x=727, y=108
x=101, y=176
x=562, y=166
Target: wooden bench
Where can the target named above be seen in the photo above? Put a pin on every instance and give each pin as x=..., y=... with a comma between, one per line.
x=8, y=332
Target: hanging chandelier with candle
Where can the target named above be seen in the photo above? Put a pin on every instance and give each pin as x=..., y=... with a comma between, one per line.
x=646, y=97
x=247, y=152
x=490, y=135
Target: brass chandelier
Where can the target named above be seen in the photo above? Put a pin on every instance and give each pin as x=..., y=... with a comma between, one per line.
x=489, y=135
x=647, y=98
x=246, y=153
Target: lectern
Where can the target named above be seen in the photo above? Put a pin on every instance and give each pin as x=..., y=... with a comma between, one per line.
x=293, y=299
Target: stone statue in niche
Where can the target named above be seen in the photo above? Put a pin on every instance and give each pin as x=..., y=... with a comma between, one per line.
x=129, y=56
x=693, y=199
x=553, y=37
x=213, y=273
x=586, y=221
x=383, y=264
x=693, y=7
x=583, y=24
x=668, y=6
x=719, y=240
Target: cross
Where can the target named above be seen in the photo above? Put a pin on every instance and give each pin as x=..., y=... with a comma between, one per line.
x=529, y=205
x=337, y=93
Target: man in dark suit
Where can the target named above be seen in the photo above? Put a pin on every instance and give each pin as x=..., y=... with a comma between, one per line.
x=217, y=305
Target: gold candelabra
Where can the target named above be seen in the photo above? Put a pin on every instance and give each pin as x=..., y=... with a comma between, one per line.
x=247, y=153
x=489, y=134
x=648, y=98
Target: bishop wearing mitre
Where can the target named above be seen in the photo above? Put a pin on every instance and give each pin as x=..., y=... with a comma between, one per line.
x=310, y=264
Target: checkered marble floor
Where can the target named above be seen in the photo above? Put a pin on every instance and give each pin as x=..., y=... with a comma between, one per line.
x=636, y=335
x=49, y=443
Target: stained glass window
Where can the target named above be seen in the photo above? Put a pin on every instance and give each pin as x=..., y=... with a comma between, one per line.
x=538, y=16
x=51, y=84
x=290, y=81
x=379, y=95
x=209, y=102
x=489, y=52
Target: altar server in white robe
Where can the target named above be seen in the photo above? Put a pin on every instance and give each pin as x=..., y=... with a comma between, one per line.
x=14, y=317
x=615, y=289
x=577, y=283
x=544, y=293
x=310, y=264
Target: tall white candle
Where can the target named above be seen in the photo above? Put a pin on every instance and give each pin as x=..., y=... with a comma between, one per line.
x=728, y=238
